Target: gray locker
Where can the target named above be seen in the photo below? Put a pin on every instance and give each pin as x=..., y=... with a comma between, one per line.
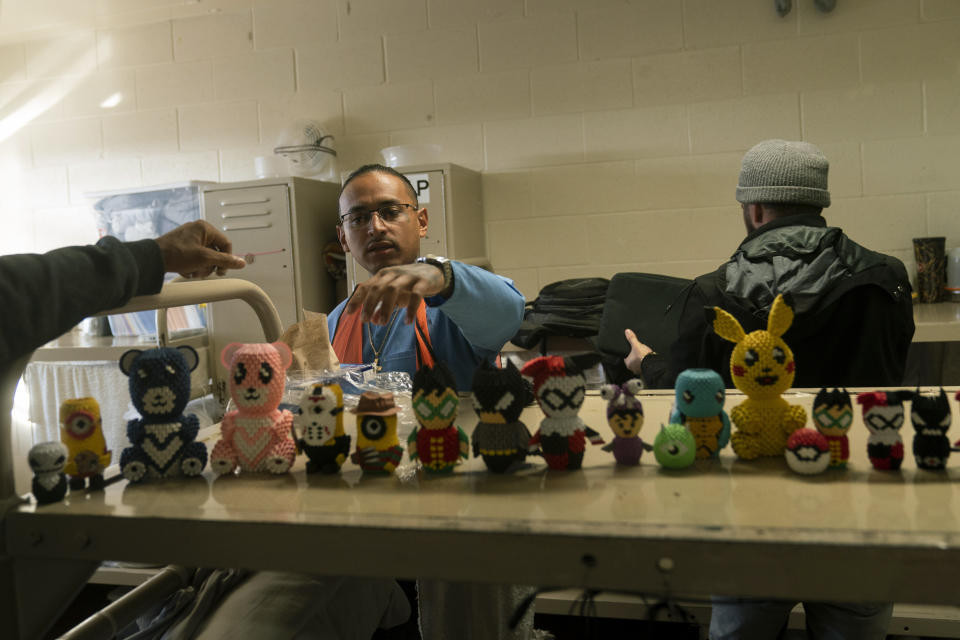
x=287, y=222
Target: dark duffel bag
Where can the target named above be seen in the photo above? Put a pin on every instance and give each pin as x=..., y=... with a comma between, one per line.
x=570, y=308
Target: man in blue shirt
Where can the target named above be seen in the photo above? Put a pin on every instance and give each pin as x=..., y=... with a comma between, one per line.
x=465, y=313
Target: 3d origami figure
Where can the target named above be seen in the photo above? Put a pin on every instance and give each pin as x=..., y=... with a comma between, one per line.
x=559, y=387
x=883, y=417
x=257, y=435
x=807, y=452
x=761, y=366
x=931, y=419
x=956, y=445
x=163, y=440
x=674, y=447
x=437, y=442
x=81, y=431
x=47, y=460
x=378, y=447
x=698, y=405
x=319, y=428
x=832, y=416
x=625, y=417
x=499, y=396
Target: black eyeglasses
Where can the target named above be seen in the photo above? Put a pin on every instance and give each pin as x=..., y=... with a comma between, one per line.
x=389, y=213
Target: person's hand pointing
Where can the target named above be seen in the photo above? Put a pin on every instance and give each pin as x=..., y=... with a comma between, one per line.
x=197, y=249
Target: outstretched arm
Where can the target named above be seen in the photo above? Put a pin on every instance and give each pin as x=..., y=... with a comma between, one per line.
x=43, y=295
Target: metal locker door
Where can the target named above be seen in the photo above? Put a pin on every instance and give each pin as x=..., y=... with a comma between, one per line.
x=430, y=189
x=257, y=221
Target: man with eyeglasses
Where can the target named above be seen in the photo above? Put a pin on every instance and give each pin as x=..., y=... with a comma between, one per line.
x=413, y=309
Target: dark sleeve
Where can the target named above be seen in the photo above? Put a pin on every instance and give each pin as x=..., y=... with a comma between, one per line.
x=696, y=346
x=43, y=296
x=876, y=339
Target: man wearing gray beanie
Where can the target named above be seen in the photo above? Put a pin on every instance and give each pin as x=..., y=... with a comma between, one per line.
x=853, y=326
x=854, y=315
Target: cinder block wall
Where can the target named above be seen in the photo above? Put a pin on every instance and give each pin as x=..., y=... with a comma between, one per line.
x=609, y=132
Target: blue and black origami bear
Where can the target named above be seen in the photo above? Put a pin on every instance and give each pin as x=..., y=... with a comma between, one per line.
x=163, y=439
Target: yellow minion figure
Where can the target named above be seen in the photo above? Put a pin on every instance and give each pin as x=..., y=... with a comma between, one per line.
x=762, y=366
x=378, y=447
x=81, y=431
x=319, y=427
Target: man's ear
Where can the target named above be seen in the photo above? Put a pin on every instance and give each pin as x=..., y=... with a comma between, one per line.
x=422, y=219
x=756, y=214
x=342, y=237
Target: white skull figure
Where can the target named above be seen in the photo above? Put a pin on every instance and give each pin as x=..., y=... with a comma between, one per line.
x=317, y=420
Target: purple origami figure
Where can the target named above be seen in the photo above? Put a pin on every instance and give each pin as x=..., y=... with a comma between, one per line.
x=625, y=417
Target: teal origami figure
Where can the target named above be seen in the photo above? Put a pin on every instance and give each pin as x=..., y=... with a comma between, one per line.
x=698, y=406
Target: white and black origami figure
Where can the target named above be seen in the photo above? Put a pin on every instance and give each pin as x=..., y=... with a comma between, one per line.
x=883, y=417
x=559, y=385
x=47, y=461
x=931, y=418
x=319, y=428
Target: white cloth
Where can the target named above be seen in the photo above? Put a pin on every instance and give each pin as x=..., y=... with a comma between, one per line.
x=279, y=606
x=50, y=383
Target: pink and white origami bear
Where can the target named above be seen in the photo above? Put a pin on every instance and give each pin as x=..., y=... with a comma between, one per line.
x=257, y=435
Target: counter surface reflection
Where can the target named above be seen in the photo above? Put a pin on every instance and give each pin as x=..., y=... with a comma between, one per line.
x=721, y=526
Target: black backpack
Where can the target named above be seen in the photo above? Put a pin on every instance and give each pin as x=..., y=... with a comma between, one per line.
x=570, y=308
x=648, y=303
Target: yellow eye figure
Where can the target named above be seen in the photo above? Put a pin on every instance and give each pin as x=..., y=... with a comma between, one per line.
x=437, y=442
x=761, y=366
x=378, y=447
x=82, y=433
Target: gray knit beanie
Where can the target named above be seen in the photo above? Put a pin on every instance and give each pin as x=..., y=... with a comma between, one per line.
x=784, y=171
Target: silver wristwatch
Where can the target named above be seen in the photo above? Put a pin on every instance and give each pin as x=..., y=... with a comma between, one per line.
x=445, y=267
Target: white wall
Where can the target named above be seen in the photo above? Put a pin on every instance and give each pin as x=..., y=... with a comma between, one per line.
x=609, y=131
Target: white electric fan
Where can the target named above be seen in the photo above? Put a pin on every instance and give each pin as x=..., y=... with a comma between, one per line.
x=308, y=150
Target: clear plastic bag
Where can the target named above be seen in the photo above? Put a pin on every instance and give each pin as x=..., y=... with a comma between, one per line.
x=354, y=379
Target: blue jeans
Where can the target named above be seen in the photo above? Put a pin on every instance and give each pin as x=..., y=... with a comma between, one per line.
x=735, y=618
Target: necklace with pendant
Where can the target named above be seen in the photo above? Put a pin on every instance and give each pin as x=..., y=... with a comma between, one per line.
x=383, y=343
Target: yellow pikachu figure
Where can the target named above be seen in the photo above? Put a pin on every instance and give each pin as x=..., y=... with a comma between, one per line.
x=761, y=366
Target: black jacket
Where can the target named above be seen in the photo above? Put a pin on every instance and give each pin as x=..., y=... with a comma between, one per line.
x=42, y=296
x=854, y=316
